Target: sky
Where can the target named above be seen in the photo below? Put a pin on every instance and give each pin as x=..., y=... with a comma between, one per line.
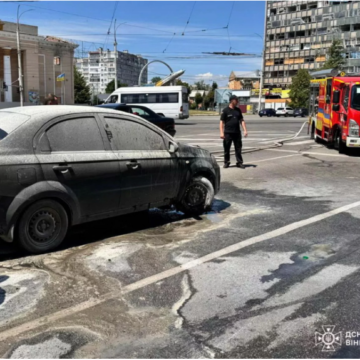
x=176, y=32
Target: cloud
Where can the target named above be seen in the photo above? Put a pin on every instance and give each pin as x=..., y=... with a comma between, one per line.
x=210, y=77
x=205, y=76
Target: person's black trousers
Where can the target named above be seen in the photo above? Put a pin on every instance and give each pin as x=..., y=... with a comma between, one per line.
x=236, y=139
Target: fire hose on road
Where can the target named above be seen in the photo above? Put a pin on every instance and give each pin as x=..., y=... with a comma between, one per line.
x=276, y=144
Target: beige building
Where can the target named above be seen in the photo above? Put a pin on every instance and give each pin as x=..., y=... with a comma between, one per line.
x=44, y=58
x=244, y=80
x=299, y=33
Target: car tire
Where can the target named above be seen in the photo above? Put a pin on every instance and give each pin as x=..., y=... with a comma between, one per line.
x=198, y=196
x=42, y=226
x=260, y=115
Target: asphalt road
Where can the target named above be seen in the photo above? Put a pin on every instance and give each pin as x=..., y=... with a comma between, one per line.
x=277, y=259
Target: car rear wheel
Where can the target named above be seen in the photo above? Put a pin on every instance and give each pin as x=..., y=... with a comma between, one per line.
x=198, y=196
x=42, y=227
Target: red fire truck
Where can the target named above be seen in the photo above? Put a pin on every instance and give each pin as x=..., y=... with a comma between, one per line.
x=335, y=109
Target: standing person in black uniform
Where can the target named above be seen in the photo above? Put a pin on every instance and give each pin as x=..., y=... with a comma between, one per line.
x=230, y=120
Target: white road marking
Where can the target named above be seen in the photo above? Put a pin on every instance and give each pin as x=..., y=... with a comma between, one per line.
x=218, y=139
x=52, y=318
x=275, y=158
x=299, y=142
x=262, y=160
x=308, y=153
x=299, y=137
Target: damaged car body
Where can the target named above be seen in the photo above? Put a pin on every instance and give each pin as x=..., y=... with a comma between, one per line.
x=70, y=165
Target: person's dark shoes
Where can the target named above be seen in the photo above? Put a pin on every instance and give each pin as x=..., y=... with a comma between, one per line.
x=241, y=166
x=226, y=165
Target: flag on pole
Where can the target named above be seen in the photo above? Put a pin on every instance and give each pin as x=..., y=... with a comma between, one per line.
x=60, y=77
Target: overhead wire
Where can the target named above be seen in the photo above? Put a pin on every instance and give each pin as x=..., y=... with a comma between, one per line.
x=109, y=30
x=64, y=12
x=187, y=23
x=228, y=23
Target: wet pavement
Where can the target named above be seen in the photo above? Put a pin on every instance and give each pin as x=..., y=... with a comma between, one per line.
x=276, y=259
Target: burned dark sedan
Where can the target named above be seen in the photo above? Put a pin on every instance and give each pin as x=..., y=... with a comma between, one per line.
x=65, y=165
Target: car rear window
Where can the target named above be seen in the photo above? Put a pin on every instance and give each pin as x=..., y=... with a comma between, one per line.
x=10, y=121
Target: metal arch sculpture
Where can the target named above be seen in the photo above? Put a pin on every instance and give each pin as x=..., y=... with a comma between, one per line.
x=145, y=66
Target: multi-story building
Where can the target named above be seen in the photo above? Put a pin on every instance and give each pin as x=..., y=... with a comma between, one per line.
x=244, y=80
x=99, y=69
x=298, y=34
x=44, y=58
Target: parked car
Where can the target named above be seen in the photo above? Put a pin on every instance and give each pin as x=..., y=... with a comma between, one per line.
x=165, y=123
x=284, y=111
x=267, y=112
x=65, y=165
x=301, y=112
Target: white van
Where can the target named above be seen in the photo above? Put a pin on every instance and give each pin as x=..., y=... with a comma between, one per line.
x=168, y=101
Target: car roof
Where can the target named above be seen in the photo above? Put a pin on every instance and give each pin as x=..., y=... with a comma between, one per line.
x=55, y=110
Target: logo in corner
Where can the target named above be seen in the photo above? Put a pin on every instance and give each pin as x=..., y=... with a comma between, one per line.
x=328, y=338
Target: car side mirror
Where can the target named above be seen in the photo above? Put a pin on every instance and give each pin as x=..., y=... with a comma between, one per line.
x=336, y=107
x=173, y=148
x=336, y=97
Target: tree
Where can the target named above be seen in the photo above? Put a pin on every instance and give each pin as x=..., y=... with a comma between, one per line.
x=209, y=99
x=110, y=87
x=179, y=82
x=81, y=89
x=155, y=79
x=214, y=86
x=335, y=56
x=95, y=100
x=198, y=99
x=300, y=89
x=200, y=85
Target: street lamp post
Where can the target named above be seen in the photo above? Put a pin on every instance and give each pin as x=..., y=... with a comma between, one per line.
x=21, y=87
x=116, y=53
x=263, y=58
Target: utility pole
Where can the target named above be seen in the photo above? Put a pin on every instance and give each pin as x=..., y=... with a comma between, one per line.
x=115, y=51
x=263, y=58
x=21, y=87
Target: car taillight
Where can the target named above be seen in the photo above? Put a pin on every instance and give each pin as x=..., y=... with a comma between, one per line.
x=181, y=108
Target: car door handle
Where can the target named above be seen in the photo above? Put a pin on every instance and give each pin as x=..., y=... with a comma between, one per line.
x=133, y=163
x=62, y=168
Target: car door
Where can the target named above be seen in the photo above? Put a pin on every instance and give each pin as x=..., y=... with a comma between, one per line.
x=73, y=151
x=148, y=171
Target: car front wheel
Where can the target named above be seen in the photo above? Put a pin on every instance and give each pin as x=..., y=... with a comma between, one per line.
x=42, y=227
x=198, y=196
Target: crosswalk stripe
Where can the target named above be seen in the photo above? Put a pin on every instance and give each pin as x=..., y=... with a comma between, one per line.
x=300, y=142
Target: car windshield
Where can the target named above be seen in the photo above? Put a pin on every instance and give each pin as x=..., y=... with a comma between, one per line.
x=355, y=97
x=280, y=108
x=10, y=121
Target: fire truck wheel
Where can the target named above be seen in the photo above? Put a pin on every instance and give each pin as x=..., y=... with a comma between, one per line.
x=339, y=144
